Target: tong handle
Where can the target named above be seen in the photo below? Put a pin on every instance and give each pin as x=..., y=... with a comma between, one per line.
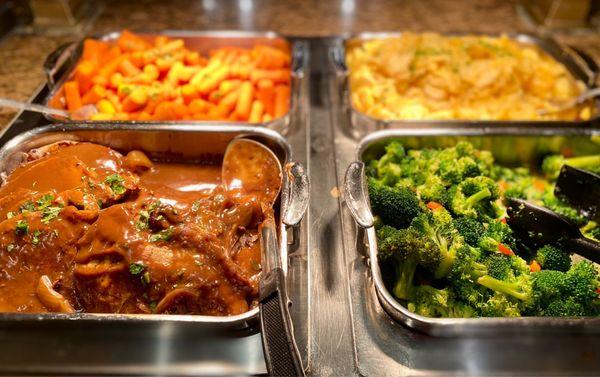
x=281, y=354
x=56, y=60
x=585, y=247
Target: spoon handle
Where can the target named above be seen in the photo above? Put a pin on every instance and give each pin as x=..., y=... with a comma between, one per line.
x=5, y=102
x=585, y=247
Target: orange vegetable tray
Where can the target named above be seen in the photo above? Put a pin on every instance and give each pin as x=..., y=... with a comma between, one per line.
x=179, y=76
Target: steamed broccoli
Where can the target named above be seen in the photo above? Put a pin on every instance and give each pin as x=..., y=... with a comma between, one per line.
x=405, y=250
x=582, y=282
x=553, y=203
x=552, y=258
x=471, y=229
x=498, y=236
x=552, y=164
x=565, y=307
x=396, y=206
x=454, y=171
x=457, y=257
x=500, y=305
x=437, y=227
x=432, y=302
x=548, y=286
x=469, y=198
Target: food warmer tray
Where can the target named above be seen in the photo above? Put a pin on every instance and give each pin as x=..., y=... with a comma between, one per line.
x=581, y=66
x=339, y=325
x=60, y=64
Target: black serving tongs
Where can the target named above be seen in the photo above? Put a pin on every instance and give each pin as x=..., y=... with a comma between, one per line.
x=542, y=226
x=250, y=167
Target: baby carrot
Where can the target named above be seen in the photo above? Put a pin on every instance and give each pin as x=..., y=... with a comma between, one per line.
x=282, y=100
x=265, y=93
x=278, y=76
x=72, y=95
x=256, y=112
x=127, y=68
x=93, y=95
x=83, y=75
x=228, y=103
x=244, y=103
x=212, y=81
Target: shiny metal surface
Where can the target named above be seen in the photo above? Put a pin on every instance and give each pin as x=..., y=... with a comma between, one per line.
x=362, y=124
x=227, y=344
x=63, y=60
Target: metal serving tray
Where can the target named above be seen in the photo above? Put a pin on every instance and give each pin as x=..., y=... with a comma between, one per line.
x=60, y=64
x=582, y=68
x=181, y=142
x=511, y=147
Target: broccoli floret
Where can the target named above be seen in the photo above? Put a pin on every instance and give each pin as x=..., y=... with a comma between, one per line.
x=548, y=286
x=396, y=206
x=432, y=189
x=552, y=258
x=437, y=227
x=469, y=197
x=465, y=271
x=406, y=249
x=454, y=171
x=565, y=307
x=498, y=266
x=582, y=282
x=555, y=204
x=431, y=302
x=519, y=287
x=471, y=229
x=499, y=305
x=552, y=164
x=498, y=236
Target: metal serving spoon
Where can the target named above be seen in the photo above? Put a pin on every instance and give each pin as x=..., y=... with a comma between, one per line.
x=251, y=168
x=84, y=112
x=582, y=98
x=541, y=226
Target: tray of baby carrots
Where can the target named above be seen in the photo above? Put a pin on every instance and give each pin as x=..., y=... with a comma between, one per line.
x=178, y=76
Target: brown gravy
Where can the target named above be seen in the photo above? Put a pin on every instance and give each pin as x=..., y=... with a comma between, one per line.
x=84, y=228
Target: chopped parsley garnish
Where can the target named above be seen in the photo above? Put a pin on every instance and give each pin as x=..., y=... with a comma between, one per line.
x=10, y=215
x=45, y=201
x=35, y=239
x=22, y=227
x=163, y=235
x=152, y=305
x=143, y=221
x=115, y=182
x=10, y=247
x=255, y=265
x=136, y=268
x=27, y=206
x=50, y=213
x=145, y=278
x=99, y=203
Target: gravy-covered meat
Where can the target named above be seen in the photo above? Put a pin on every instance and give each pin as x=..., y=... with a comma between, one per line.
x=85, y=228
